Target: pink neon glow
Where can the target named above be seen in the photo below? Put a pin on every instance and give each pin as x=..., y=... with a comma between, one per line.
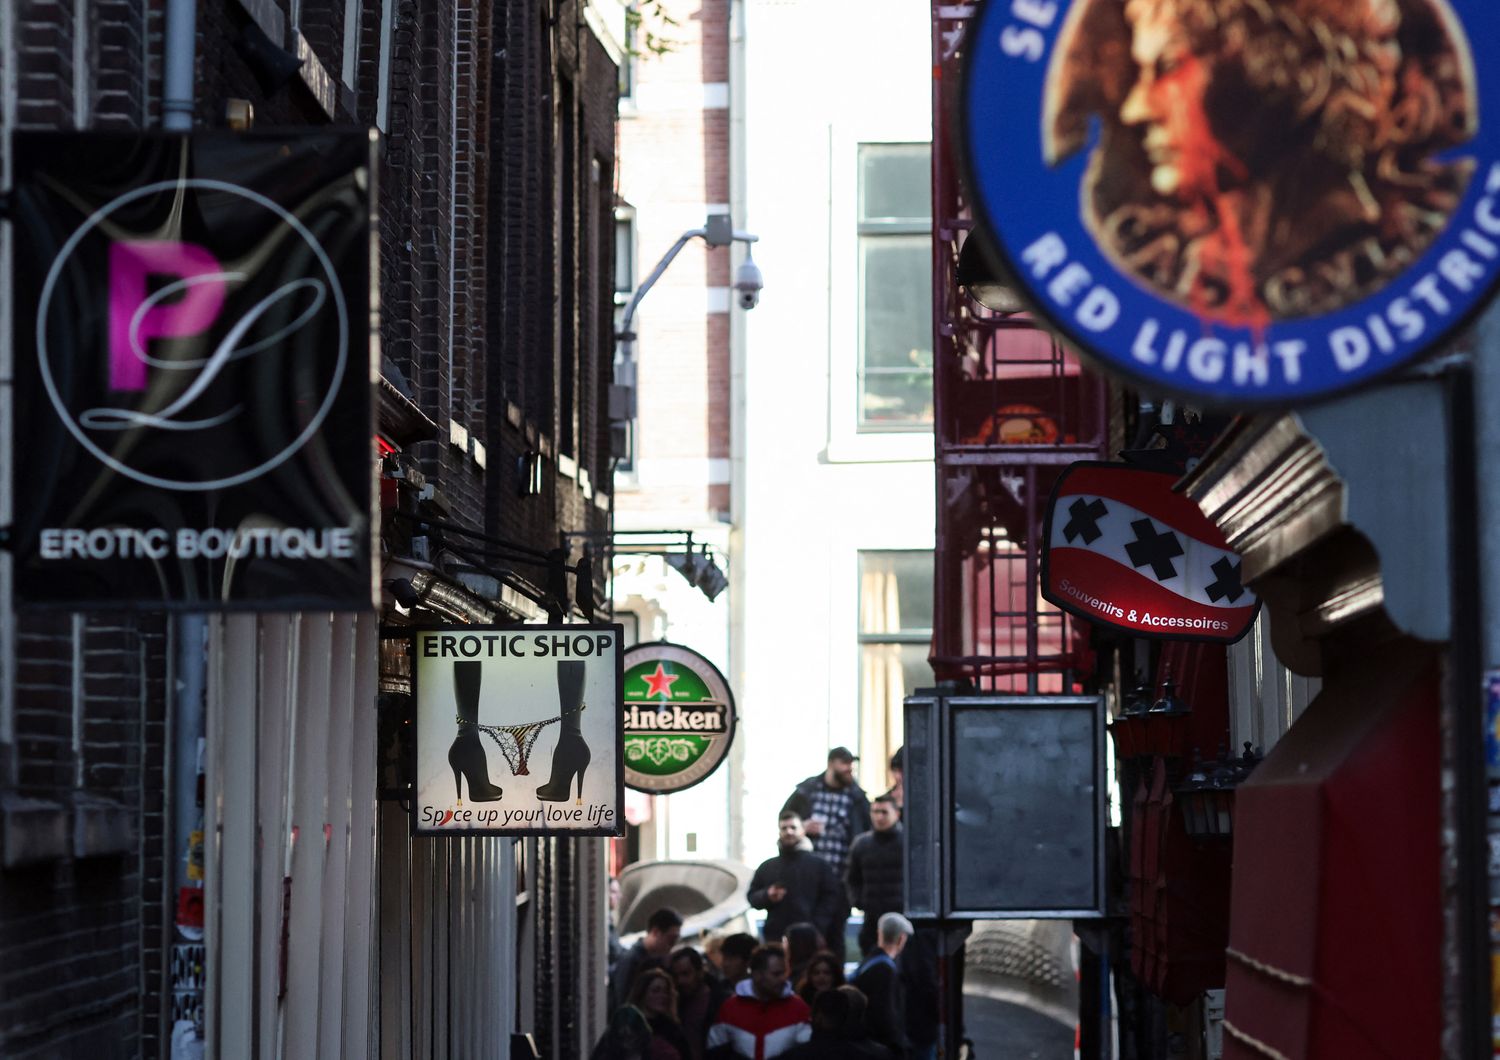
x=130, y=262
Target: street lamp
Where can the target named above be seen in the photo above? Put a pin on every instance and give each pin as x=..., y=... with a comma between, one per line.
x=698, y=565
x=700, y=570
x=1207, y=796
x=1169, y=723
x=977, y=275
x=718, y=231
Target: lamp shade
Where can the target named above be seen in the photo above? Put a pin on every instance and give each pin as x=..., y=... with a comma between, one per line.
x=984, y=283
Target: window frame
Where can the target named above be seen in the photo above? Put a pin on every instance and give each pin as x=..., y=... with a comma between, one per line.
x=915, y=635
x=847, y=444
x=867, y=229
x=626, y=267
x=899, y=638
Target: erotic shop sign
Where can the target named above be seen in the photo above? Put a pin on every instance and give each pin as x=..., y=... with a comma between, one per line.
x=1243, y=202
x=193, y=370
x=1121, y=549
x=518, y=731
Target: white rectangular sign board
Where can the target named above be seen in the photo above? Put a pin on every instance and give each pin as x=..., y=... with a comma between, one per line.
x=518, y=730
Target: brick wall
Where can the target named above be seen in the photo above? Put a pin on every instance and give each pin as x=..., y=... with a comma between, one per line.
x=469, y=227
x=527, y=194
x=83, y=936
x=675, y=150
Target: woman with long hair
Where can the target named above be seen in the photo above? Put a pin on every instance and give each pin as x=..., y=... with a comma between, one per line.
x=801, y=941
x=824, y=972
x=645, y=1027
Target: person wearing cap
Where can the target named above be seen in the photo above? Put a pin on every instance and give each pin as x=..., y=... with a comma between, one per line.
x=879, y=979
x=834, y=809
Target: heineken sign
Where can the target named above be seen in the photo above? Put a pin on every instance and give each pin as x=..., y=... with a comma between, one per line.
x=679, y=718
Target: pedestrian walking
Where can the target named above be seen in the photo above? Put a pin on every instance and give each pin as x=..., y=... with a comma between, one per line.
x=800, y=942
x=698, y=997
x=713, y=945
x=663, y=929
x=824, y=972
x=875, y=874
x=919, y=981
x=835, y=810
x=879, y=979
x=898, y=785
x=796, y=885
x=645, y=1027
x=838, y=1030
x=616, y=950
x=764, y=1019
x=734, y=958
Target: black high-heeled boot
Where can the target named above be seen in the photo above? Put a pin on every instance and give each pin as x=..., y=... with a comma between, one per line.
x=466, y=756
x=571, y=756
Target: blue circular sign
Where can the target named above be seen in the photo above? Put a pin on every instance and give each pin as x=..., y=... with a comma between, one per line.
x=1247, y=202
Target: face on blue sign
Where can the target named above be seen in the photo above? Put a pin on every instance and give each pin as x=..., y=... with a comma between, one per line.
x=1243, y=201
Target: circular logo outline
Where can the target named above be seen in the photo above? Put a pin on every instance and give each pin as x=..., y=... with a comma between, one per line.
x=984, y=67
x=43, y=356
x=713, y=679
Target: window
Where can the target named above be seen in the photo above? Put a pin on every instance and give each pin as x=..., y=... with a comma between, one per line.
x=624, y=253
x=622, y=427
x=628, y=52
x=895, y=632
x=895, y=287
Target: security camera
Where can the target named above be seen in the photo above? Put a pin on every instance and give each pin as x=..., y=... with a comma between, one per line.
x=747, y=283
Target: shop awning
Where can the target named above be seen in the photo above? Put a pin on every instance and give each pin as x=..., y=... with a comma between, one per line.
x=1335, y=915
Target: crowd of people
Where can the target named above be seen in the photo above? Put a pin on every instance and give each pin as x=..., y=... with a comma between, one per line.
x=784, y=995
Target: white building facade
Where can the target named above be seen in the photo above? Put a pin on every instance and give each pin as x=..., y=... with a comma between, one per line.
x=832, y=464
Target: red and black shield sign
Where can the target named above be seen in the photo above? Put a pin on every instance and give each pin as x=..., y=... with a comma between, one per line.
x=1121, y=549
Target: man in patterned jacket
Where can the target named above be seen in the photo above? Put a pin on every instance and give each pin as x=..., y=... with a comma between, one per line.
x=834, y=809
x=764, y=1018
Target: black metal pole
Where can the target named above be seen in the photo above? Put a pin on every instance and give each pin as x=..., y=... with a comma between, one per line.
x=1465, y=749
x=950, y=963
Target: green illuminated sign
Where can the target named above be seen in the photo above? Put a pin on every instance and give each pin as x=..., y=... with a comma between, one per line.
x=678, y=718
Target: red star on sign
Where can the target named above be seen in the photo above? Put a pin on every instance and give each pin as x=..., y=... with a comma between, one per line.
x=659, y=683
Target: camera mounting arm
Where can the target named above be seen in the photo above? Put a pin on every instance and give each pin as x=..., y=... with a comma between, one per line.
x=717, y=231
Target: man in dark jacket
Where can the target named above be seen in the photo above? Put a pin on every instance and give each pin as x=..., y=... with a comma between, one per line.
x=879, y=979
x=794, y=886
x=835, y=810
x=838, y=1030
x=650, y=951
x=876, y=869
x=734, y=958
x=898, y=781
x=698, y=997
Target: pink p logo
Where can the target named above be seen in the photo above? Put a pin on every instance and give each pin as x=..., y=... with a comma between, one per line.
x=135, y=319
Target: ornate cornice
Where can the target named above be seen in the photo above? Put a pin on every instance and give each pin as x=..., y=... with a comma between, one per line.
x=1269, y=486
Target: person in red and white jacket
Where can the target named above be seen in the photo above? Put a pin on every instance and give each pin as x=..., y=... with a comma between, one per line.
x=764, y=1018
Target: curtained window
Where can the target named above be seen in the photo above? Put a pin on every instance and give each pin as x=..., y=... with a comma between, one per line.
x=895, y=633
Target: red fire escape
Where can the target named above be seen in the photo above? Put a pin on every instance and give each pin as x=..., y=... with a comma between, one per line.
x=1013, y=408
